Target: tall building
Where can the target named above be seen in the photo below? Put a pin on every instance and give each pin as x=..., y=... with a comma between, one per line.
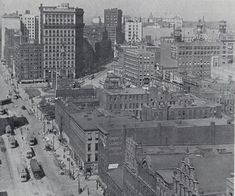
x=29, y=61
x=61, y=33
x=9, y=21
x=133, y=31
x=113, y=24
x=139, y=64
x=29, y=27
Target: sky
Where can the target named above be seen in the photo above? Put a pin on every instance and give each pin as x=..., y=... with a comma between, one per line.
x=212, y=10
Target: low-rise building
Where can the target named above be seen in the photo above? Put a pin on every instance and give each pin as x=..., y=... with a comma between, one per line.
x=129, y=100
x=197, y=57
x=174, y=105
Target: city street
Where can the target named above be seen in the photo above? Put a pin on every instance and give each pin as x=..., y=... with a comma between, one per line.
x=52, y=183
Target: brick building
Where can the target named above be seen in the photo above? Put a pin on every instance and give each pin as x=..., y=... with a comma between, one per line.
x=29, y=62
x=174, y=105
x=113, y=24
x=197, y=57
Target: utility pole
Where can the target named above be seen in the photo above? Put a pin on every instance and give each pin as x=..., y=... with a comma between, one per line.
x=53, y=142
x=79, y=185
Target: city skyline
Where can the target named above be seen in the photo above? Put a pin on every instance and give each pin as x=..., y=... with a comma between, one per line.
x=212, y=10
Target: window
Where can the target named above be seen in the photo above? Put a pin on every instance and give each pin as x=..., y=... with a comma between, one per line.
x=88, y=147
x=89, y=136
x=96, y=136
x=96, y=146
x=89, y=158
x=96, y=157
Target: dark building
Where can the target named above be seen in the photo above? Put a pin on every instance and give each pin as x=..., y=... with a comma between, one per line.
x=12, y=40
x=103, y=49
x=29, y=62
x=61, y=33
x=113, y=24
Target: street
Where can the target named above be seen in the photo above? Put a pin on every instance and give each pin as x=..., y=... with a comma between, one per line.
x=52, y=183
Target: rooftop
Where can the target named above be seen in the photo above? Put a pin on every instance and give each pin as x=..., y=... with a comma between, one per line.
x=117, y=176
x=126, y=91
x=211, y=171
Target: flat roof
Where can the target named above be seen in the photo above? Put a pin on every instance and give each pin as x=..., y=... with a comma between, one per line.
x=126, y=91
x=117, y=175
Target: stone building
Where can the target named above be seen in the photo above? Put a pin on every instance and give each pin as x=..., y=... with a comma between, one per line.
x=61, y=33
x=116, y=98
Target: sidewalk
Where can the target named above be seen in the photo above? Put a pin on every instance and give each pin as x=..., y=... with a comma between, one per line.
x=67, y=165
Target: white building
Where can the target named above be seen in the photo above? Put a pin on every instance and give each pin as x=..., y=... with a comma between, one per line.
x=133, y=31
x=29, y=26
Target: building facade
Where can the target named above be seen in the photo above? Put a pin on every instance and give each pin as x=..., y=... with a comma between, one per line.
x=29, y=27
x=61, y=33
x=196, y=58
x=29, y=62
x=113, y=24
x=139, y=65
x=228, y=50
x=133, y=31
x=10, y=22
x=130, y=100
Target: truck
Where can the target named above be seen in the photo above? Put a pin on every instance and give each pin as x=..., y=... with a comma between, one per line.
x=12, y=142
x=36, y=169
x=8, y=130
x=22, y=172
x=28, y=152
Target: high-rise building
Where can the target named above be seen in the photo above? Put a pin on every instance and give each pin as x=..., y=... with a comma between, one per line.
x=133, y=31
x=113, y=24
x=10, y=22
x=29, y=27
x=61, y=33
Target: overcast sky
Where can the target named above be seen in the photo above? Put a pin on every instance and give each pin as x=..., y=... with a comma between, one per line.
x=188, y=9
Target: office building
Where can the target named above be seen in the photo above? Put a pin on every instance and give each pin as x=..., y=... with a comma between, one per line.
x=113, y=24
x=10, y=22
x=29, y=27
x=140, y=65
x=29, y=62
x=61, y=33
x=228, y=50
x=197, y=57
x=133, y=31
